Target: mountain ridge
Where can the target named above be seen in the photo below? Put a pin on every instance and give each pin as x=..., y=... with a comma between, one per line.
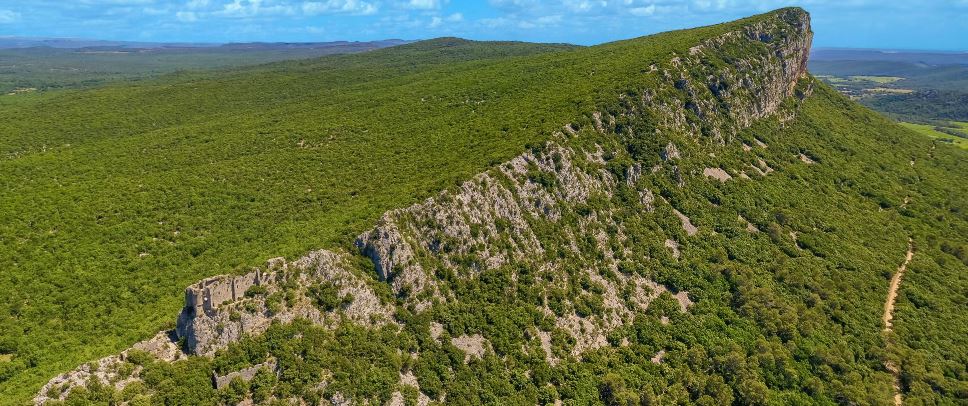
x=690, y=237
x=214, y=317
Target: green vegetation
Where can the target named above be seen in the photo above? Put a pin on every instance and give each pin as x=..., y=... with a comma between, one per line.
x=776, y=321
x=933, y=132
x=117, y=198
x=919, y=106
x=909, y=91
x=859, y=79
x=327, y=297
x=42, y=69
x=877, y=79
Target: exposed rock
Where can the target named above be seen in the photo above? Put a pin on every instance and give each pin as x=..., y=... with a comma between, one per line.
x=207, y=327
x=749, y=226
x=597, y=118
x=647, y=199
x=163, y=346
x=684, y=302
x=110, y=370
x=245, y=374
x=670, y=152
x=473, y=346
x=716, y=173
x=674, y=246
x=436, y=329
x=545, y=338
x=763, y=165
x=687, y=225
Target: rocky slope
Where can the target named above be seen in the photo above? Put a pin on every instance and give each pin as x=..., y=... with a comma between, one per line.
x=549, y=214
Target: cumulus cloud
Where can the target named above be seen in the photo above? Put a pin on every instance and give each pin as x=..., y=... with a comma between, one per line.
x=438, y=21
x=8, y=16
x=116, y=2
x=186, y=16
x=254, y=8
x=339, y=6
x=197, y=4
x=643, y=11
x=424, y=4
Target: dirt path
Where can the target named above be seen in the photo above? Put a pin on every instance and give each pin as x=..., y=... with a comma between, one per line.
x=889, y=314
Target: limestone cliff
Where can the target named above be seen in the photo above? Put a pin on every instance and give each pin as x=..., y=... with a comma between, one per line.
x=550, y=208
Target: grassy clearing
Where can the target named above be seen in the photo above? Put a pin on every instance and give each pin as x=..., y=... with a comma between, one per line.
x=860, y=78
x=876, y=79
x=928, y=130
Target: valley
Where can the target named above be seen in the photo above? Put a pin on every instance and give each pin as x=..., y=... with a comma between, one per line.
x=925, y=91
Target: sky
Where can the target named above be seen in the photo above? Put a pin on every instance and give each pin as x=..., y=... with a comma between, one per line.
x=891, y=24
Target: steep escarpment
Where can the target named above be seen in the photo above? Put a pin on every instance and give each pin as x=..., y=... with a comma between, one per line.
x=555, y=221
x=692, y=238
x=706, y=97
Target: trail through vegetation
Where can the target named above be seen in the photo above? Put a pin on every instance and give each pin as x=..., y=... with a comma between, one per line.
x=889, y=314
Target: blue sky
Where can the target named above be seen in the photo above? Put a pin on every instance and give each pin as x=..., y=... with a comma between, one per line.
x=900, y=24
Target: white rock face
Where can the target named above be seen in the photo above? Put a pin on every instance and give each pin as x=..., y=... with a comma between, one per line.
x=207, y=328
x=687, y=225
x=716, y=173
x=472, y=345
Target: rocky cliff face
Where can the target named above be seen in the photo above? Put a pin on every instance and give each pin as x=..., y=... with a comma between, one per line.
x=552, y=209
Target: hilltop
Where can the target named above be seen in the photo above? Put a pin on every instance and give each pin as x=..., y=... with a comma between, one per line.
x=684, y=217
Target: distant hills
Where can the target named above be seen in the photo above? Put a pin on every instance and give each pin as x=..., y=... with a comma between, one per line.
x=926, y=89
x=75, y=43
x=923, y=58
x=40, y=64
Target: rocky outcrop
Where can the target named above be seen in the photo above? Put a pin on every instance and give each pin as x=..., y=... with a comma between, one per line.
x=245, y=374
x=206, y=327
x=113, y=370
x=761, y=65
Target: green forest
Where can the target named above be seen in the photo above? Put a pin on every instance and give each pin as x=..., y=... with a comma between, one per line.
x=41, y=68
x=117, y=198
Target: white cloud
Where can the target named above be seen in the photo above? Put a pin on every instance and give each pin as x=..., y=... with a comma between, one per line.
x=513, y=5
x=186, y=16
x=438, y=21
x=197, y=4
x=7, y=16
x=254, y=8
x=116, y=2
x=339, y=6
x=424, y=4
x=643, y=11
x=540, y=22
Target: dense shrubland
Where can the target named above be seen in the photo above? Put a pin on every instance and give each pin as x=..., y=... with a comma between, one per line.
x=787, y=314
x=776, y=320
x=117, y=198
